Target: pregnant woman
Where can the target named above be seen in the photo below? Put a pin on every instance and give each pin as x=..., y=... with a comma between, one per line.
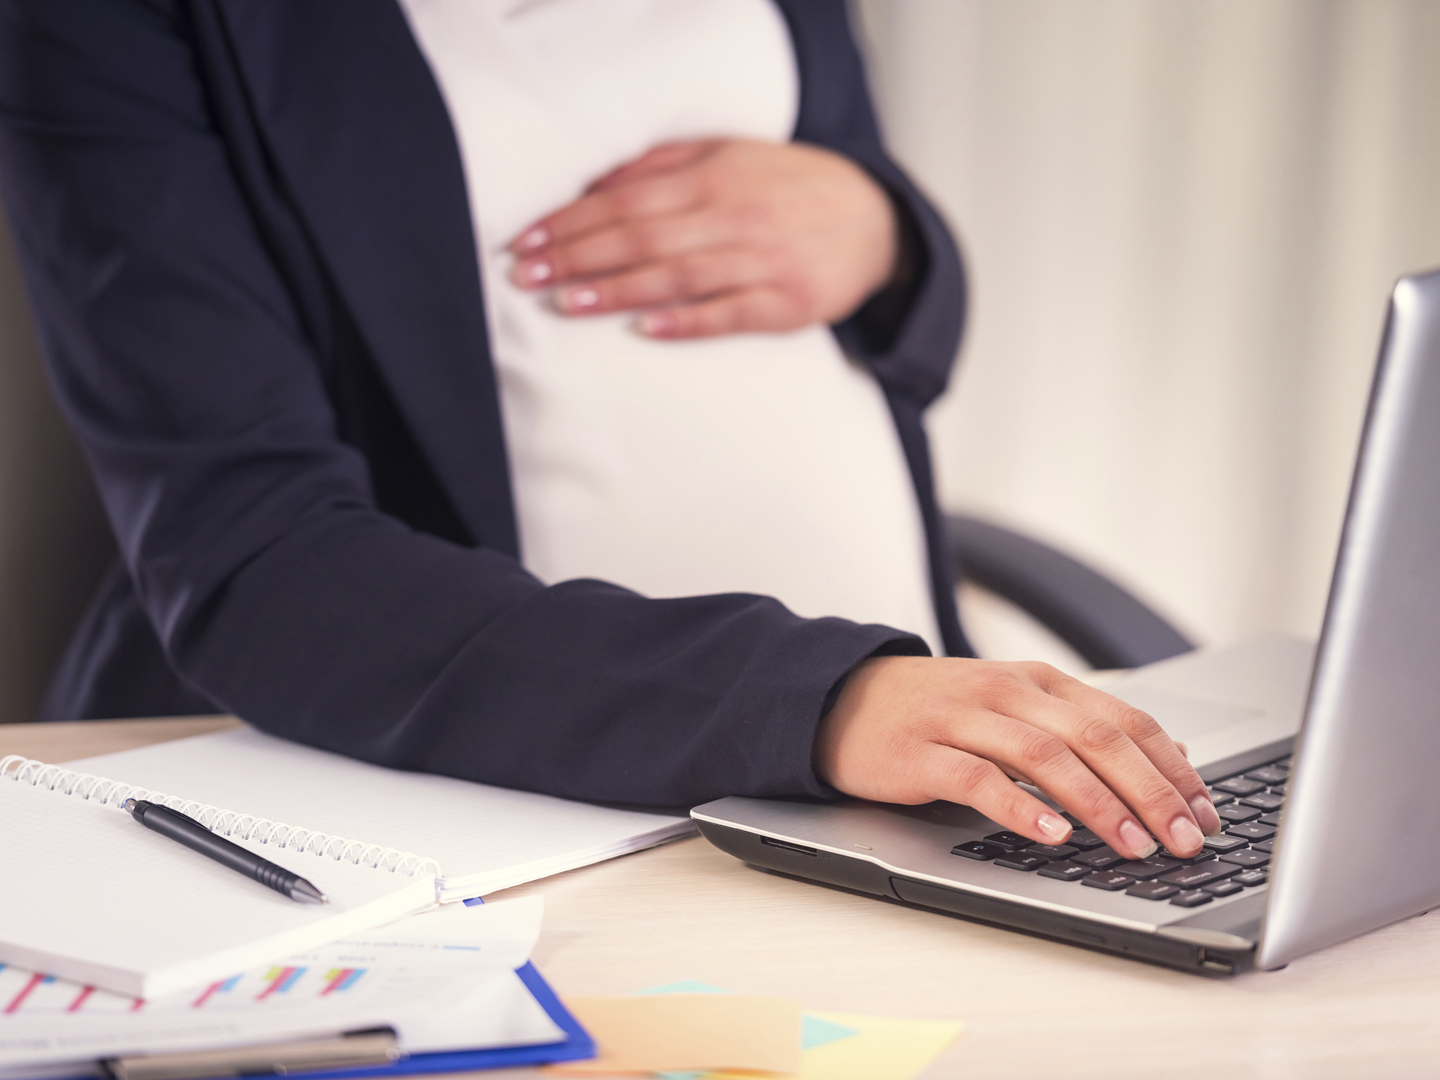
x=530, y=391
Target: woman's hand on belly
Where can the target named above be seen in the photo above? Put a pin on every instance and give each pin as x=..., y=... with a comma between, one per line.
x=718, y=236
x=914, y=729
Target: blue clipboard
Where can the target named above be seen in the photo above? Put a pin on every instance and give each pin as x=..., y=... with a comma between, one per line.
x=578, y=1044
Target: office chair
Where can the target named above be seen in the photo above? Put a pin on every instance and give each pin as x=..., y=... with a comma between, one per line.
x=1100, y=620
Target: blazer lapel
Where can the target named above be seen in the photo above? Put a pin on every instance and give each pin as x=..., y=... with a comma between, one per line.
x=362, y=142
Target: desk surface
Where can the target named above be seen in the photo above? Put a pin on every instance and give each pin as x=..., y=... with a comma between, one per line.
x=1369, y=1007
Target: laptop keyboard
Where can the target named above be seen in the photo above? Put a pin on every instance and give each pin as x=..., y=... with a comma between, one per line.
x=1249, y=805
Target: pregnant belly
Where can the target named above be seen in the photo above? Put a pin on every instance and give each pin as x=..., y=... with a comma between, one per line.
x=755, y=463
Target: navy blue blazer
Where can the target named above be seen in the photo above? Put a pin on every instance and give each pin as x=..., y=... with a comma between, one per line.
x=245, y=232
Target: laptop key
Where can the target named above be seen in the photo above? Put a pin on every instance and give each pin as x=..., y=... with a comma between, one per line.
x=1224, y=888
x=1220, y=798
x=978, y=849
x=1021, y=860
x=1224, y=842
x=1192, y=899
x=1249, y=858
x=1053, y=852
x=1101, y=858
x=1108, y=880
x=1064, y=871
x=1238, y=785
x=1232, y=813
x=1264, y=800
x=1192, y=877
x=1151, y=890
x=1199, y=856
x=1267, y=846
x=1270, y=819
x=1146, y=869
x=1251, y=878
x=1251, y=830
x=1269, y=774
x=1010, y=841
x=1085, y=840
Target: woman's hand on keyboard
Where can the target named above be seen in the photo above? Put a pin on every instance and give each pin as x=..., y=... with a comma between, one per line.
x=915, y=729
x=717, y=236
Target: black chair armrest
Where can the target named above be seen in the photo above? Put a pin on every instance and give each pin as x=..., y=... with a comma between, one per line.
x=1097, y=618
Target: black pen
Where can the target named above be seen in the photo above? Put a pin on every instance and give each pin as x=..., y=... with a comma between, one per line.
x=188, y=831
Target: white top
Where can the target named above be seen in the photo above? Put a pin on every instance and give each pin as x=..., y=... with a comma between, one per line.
x=763, y=463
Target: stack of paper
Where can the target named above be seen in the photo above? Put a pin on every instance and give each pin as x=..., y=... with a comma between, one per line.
x=445, y=981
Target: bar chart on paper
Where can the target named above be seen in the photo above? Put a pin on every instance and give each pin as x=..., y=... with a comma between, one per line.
x=445, y=982
x=27, y=993
x=32, y=993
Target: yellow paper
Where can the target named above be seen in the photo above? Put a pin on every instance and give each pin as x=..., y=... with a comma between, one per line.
x=884, y=1049
x=687, y=1031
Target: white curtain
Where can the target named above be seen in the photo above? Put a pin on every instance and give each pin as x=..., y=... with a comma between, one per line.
x=1182, y=219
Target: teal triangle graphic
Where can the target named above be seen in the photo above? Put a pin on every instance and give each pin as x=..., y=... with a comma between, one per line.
x=816, y=1032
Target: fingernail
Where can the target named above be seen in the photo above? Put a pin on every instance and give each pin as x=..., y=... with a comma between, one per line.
x=656, y=323
x=579, y=299
x=534, y=272
x=1184, y=836
x=1140, y=843
x=1056, y=829
x=1205, y=814
x=536, y=237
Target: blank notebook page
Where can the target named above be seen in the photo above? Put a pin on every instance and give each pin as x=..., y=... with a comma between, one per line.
x=487, y=837
x=88, y=893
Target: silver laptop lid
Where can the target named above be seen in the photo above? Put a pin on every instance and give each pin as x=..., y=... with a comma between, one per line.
x=1362, y=815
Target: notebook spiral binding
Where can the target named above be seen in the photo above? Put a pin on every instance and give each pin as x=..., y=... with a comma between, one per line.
x=225, y=823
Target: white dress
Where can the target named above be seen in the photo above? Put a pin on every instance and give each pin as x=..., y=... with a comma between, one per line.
x=763, y=463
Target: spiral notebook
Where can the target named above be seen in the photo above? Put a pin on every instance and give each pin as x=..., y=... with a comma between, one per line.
x=90, y=895
x=484, y=838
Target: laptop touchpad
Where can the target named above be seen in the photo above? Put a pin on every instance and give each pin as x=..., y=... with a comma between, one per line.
x=1210, y=730
x=1186, y=718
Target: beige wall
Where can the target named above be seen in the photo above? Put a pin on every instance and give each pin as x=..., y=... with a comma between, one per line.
x=53, y=539
x=1183, y=218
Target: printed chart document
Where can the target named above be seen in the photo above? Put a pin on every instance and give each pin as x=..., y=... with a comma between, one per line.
x=444, y=980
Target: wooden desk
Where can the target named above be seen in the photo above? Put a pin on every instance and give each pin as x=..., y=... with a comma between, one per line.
x=1367, y=1008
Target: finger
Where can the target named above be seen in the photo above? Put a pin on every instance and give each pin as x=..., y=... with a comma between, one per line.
x=689, y=277
x=1108, y=752
x=757, y=310
x=667, y=193
x=1022, y=746
x=621, y=246
x=1168, y=756
x=960, y=777
x=660, y=159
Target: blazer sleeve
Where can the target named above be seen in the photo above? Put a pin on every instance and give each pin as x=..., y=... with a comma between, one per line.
x=250, y=528
x=908, y=336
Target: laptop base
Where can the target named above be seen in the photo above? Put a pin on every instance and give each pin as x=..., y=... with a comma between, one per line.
x=1188, y=946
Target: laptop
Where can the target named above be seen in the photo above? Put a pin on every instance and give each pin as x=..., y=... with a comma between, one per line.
x=1321, y=759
